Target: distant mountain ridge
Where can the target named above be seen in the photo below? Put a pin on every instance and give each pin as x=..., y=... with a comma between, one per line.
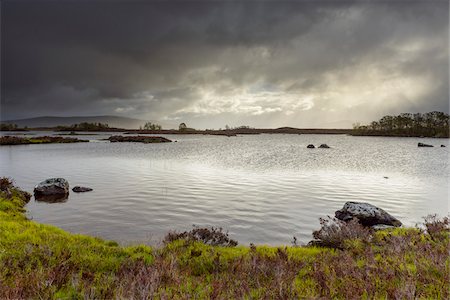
x=112, y=121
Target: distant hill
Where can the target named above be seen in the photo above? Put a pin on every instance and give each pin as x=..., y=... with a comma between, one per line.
x=112, y=121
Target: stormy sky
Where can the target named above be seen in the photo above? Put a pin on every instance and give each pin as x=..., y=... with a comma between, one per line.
x=211, y=63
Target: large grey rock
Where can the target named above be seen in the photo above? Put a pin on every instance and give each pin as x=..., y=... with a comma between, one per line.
x=52, y=186
x=367, y=214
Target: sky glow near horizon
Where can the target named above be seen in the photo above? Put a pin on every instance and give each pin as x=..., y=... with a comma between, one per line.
x=262, y=64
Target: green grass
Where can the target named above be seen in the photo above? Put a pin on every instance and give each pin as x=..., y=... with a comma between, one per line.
x=43, y=262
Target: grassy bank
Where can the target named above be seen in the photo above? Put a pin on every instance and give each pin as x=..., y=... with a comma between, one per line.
x=41, y=261
x=16, y=140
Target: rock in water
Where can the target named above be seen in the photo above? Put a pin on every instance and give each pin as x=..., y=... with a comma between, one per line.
x=424, y=145
x=324, y=146
x=367, y=214
x=52, y=186
x=81, y=189
x=310, y=146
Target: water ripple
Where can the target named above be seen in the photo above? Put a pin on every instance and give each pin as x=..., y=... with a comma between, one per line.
x=264, y=189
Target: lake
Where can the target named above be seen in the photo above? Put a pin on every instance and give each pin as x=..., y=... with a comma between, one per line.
x=263, y=189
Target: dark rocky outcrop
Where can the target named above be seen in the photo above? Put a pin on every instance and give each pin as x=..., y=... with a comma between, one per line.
x=139, y=139
x=81, y=189
x=324, y=146
x=367, y=214
x=310, y=146
x=424, y=145
x=52, y=186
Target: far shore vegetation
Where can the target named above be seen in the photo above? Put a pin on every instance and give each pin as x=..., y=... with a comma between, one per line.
x=39, y=261
x=85, y=126
x=431, y=124
x=11, y=127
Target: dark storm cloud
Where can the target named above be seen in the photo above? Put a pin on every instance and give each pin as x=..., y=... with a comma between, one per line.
x=250, y=62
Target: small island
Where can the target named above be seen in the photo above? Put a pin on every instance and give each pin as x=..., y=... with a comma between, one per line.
x=15, y=140
x=139, y=139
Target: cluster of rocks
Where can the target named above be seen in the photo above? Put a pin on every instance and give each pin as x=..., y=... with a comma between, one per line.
x=427, y=145
x=323, y=146
x=55, y=190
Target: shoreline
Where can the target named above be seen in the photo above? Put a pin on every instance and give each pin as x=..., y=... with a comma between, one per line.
x=79, y=266
x=230, y=132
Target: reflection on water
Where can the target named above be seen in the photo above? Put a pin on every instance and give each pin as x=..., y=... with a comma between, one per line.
x=262, y=188
x=61, y=198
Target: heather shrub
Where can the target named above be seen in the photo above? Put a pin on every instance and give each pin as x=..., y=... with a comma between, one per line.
x=211, y=236
x=437, y=228
x=335, y=233
x=5, y=183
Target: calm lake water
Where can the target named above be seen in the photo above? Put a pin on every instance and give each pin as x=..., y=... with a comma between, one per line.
x=263, y=189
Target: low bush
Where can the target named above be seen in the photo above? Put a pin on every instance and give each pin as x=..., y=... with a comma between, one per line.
x=335, y=233
x=209, y=236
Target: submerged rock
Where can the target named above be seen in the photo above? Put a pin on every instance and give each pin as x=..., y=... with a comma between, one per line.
x=81, y=189
x=324, y=146
x=424, y=145
x=310, y=146
x=367, y=214
x=52, y=186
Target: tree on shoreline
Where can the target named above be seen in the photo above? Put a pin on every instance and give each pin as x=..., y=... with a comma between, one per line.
x=84, y=126
x=182, y=126
x=431, y=124
x=152, y=126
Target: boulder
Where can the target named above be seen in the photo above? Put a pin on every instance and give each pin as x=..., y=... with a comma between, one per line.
x=442, y=146
x=367, y=214
x=310, y=146
x=324, y=146
x=424, y=145
x=52, y=186
x=81, y=189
